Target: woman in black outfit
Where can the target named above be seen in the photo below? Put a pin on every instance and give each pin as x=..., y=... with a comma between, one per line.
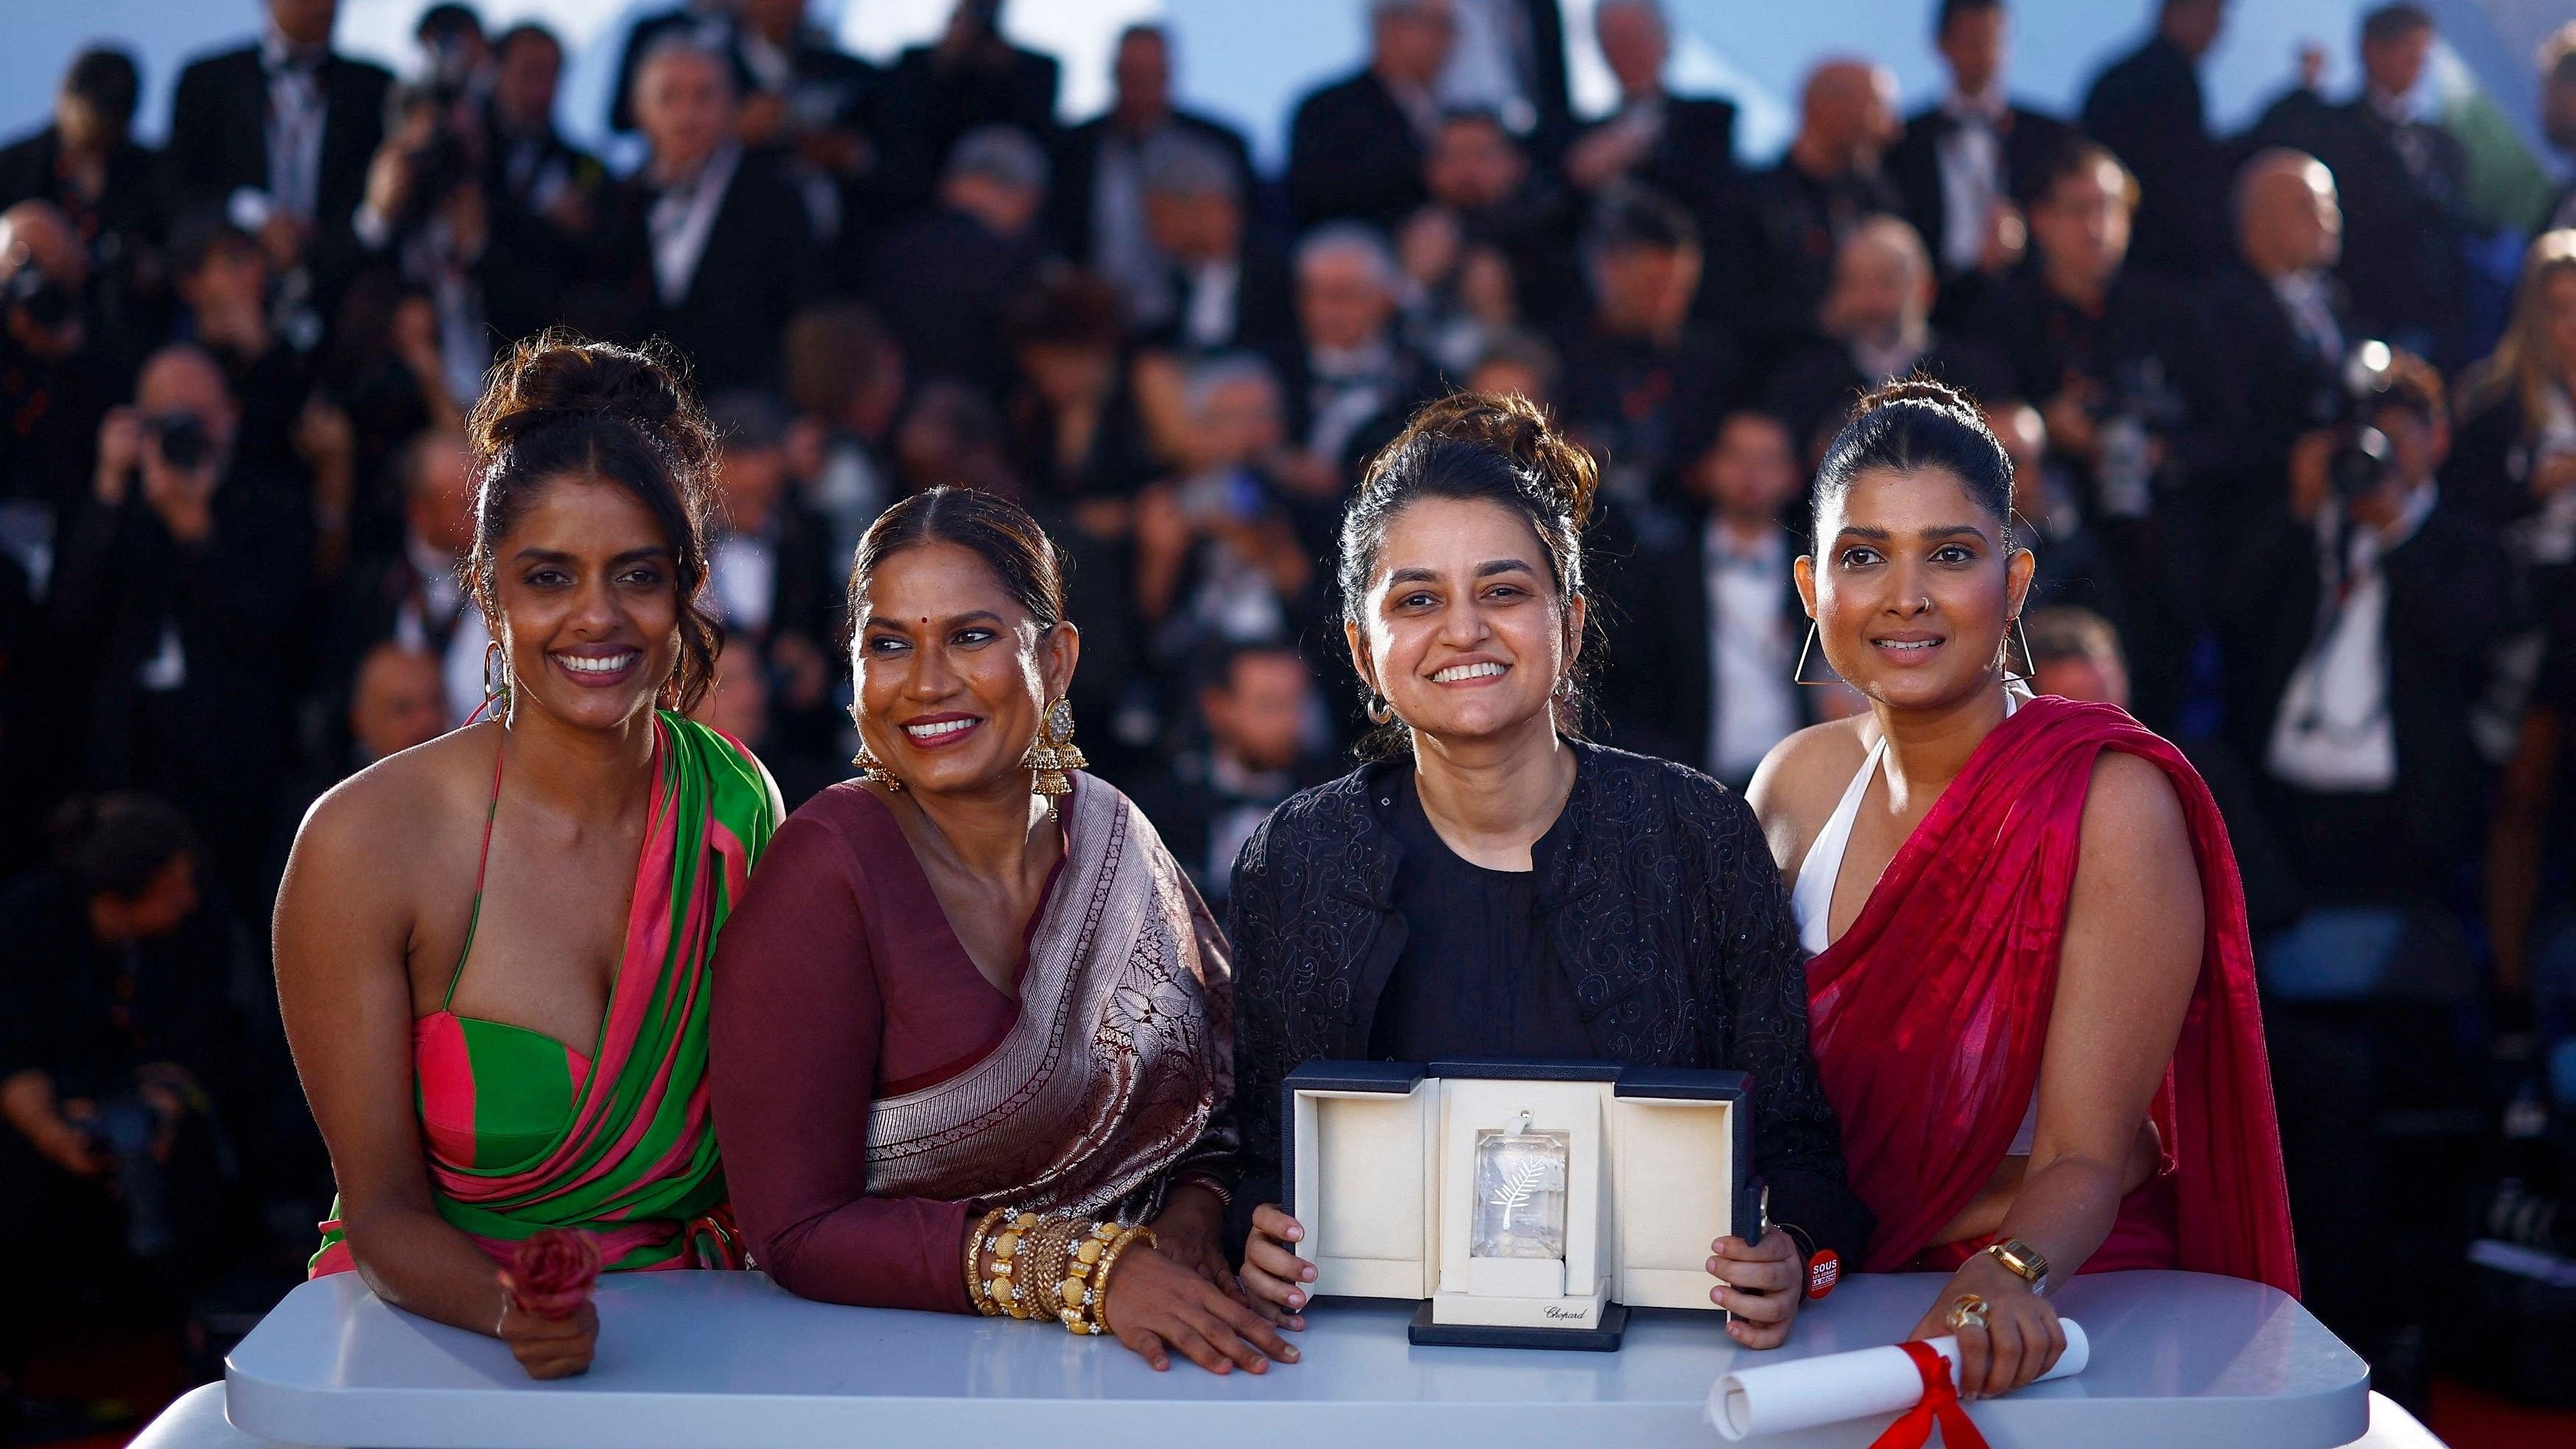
x=1492, y=885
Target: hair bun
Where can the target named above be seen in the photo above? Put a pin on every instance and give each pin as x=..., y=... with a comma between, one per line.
x=1917, y=388
x=1515, y=427
x=558, y=376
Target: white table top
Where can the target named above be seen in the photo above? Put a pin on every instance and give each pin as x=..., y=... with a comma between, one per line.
x=709, y=1360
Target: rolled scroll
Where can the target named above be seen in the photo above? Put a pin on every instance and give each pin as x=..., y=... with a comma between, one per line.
x=1779, y=1398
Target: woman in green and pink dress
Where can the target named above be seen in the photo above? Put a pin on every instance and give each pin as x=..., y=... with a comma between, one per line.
x=492, y=950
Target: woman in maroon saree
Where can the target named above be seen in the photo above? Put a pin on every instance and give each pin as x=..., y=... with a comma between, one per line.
x=2032, y=1000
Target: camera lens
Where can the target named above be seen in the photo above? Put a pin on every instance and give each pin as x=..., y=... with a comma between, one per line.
x=2359, y=463
x=182, y=439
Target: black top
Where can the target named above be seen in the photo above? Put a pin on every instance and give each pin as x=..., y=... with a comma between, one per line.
x=1477, y=975
x=1657, y=898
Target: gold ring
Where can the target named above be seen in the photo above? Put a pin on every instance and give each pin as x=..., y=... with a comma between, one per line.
x=1966, y=1309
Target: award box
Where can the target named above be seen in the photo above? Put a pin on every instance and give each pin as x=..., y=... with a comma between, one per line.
x=1526, y=1204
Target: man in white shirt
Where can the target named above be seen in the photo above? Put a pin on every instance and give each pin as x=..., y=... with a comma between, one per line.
x=1747, y=477
x=2362, y=618
x=1967, y=164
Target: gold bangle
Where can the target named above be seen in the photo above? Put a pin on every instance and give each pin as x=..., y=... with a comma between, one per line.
x=1042, y=1266
x=1010, y=1249
x=976, y=1291
x=1109, y=1264
x=1076, y=1303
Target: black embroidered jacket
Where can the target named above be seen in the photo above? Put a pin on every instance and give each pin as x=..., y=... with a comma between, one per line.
x=1662, y=902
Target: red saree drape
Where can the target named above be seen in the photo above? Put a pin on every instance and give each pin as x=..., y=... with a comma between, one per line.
x=1929, y=1014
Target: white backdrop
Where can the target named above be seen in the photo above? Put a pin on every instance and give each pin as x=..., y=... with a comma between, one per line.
x=1249, y=59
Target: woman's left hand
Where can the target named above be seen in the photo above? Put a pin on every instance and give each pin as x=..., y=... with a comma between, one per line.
x=1759, y=1283
x=2022, y=1338
x=1191, y=1232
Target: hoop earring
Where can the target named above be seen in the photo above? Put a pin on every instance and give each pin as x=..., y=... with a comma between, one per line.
x=1378, y=710
x=872, y=769
x=1052, y=753
x=496, y=684
x=1798, y=675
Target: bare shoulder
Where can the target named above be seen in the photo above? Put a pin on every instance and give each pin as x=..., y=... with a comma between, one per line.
x=402, y=809
x=2132, y=809
x=2137, y=863
x=1802, y=779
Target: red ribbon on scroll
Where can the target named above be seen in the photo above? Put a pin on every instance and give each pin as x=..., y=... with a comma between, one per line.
x=1940, y=1403
x=551, y=1274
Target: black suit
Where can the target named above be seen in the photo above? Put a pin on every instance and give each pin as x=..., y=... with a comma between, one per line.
x=130, y=215
x=1077, y=171
x=2148, y=109
x=219, y=133
x=926, y=107
x=1265, y=305
x=1693, y=158
x=1773, y=260
x=2402, y=226
x=2282, y=382
x=1657, y=687
x=2029, y=140
x=749, y=279
x=944, y=282
x=1814, y=390
x=1353, y=153
x=2447, y=596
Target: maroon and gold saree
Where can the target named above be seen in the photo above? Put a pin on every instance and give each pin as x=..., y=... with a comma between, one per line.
x=1929, y=1014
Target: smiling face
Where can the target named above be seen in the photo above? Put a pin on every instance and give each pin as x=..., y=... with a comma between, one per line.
x=589, y=602
x=953, y=672
x=1463, y=630
x=1911, y=588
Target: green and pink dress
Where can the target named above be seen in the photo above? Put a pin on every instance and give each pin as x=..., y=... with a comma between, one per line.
x=525, y=1133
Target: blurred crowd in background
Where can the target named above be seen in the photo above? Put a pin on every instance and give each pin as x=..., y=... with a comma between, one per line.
x=2296, y=452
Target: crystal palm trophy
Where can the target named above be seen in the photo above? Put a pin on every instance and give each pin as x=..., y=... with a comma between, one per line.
x=1520, y=1194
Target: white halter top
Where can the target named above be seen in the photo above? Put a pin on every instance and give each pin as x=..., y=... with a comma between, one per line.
x=1811, y=900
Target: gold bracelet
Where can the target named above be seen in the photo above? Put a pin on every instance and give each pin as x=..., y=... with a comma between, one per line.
x=1077, y=1303
x=1042, y=1265
x=1010, y=1257
x=1108, y=1264
x=977, y=1292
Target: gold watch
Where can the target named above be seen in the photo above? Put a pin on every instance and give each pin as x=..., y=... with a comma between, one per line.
x=2023, y=1261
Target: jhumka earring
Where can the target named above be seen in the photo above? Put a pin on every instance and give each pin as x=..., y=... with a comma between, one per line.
x=872, y=769
x=1052, y=753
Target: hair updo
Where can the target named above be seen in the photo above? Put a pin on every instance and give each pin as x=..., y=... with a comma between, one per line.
x=1485, y=447
x=993, y=528
x=562, y=407
x=1913, y=425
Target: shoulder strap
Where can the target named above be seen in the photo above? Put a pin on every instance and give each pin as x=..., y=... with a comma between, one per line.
x=481, y=861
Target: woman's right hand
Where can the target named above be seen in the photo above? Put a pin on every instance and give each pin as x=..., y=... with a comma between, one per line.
x=550, y=1348
x=1273, y=1275
x=1156, y=1305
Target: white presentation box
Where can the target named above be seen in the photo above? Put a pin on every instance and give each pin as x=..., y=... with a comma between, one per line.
x=1526, y=1204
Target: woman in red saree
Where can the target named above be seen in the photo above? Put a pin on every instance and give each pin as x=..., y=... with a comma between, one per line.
x=2032, y=1000
x=492, y=950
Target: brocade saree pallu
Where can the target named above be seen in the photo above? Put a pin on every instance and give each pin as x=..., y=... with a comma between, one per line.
x=1119, y=1067
x=524, y=1133
x=1929, y=1014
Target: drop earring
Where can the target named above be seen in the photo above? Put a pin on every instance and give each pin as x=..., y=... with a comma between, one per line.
x=872, y=769
x=1798, y=675
x=1051, y=754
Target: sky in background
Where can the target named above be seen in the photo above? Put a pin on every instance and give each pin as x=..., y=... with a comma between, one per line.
x=1248, y=60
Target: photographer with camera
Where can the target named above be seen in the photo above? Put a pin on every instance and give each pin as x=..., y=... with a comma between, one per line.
x=56, y=381
x=175, y=588
x=427, y=215
x=2361, y=613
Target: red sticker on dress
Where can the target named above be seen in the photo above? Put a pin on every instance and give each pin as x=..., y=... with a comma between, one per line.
x=1823, y=1271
